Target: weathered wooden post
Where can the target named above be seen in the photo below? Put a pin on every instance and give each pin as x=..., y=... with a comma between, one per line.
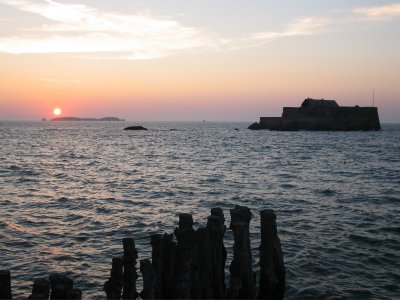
x=5, y=285
x=113, y=286
x=217, y=252
x=241, y=267
x=157, y=264
x=74, y=294
x=40, y=289
x=184, y=258
x=202, y=265
x=272, y=269
x=62, y=287
x=129, y=275
x=169, y=266
x=147, y=273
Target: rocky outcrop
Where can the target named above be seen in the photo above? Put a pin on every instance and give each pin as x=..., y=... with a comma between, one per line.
x=135, y=128
x=254, y=126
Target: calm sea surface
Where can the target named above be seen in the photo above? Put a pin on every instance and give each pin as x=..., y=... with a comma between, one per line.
x=70, y=191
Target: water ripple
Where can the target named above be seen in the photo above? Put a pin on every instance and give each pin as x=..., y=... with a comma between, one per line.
x=70, y=192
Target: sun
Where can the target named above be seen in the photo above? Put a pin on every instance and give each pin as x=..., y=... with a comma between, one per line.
x=57, y=111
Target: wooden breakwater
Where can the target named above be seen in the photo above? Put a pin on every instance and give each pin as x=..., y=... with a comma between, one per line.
x=186, y=264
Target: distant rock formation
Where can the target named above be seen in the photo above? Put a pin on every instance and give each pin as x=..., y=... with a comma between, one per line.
x=135, y=128
x=254, y=126
x=322, y=114
x=87, y=119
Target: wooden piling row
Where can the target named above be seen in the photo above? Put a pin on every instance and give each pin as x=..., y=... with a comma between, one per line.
x=123, y=275
x=193, y=266
x=188, y=264
x=57, y=286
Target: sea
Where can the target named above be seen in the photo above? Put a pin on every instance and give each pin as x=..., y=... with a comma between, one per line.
x=70, y=191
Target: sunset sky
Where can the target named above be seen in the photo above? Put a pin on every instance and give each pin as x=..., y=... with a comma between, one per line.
x=189, y=60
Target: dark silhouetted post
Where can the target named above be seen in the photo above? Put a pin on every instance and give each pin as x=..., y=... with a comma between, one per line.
x=201, y=270
x=113, y=286
x=5, y=285
x=147, y=272
x=41, y=289
x=272, y=269
x=74, y=294
x=62, y=287
x=130, y=275
x=157, y=264
x=169, y=266
x=184, y=257
x=241, y=266
x=217, y=252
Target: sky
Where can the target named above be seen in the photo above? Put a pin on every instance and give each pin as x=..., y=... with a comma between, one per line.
x=191, y=60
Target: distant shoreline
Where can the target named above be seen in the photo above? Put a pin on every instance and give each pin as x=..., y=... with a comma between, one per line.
x=87, y=119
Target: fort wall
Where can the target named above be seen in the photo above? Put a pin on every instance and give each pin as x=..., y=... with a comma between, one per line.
x=324, y=118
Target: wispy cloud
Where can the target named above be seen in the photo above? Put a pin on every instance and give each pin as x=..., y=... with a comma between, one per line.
x=77, y=28
x=93, y=34
x=307, y=26
x=299, y=27
x=304, y=26
x=385, y=12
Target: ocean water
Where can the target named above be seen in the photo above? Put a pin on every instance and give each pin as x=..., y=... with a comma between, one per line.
x=70, y=191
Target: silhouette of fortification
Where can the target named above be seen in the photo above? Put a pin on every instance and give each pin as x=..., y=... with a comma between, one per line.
x=322, y=115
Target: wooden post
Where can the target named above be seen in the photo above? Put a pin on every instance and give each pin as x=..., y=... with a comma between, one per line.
x=5, y=285
x=129, y=275
x=62, y=287
x=184, y=258
x=157, y=264
x=113, y=286
x=74, y=294
x=41, y=289
x=217, y=252
x=241, y=267
x=202, y=267
x=148, y=279
x=169, y=266
x=272, y=269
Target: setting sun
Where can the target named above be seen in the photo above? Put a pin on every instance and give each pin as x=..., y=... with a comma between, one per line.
x=57, y=111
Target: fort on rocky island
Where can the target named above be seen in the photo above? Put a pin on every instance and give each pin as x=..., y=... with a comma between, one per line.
x=320, y=114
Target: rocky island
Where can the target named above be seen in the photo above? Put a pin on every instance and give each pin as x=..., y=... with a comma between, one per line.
x=320, y=114
x=87, y=119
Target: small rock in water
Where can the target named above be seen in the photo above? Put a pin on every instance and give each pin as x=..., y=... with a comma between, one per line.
x=135, y=128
